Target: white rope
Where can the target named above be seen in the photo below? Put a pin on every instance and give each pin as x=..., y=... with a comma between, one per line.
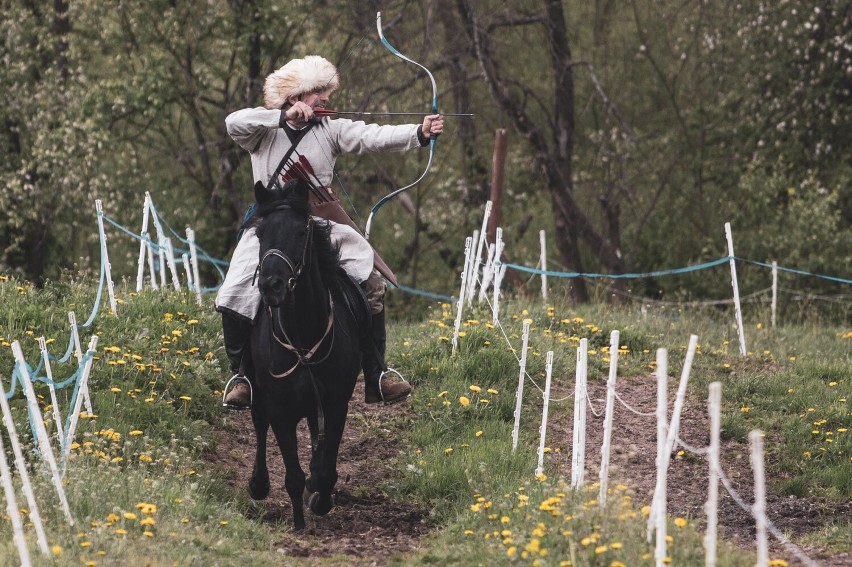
x=589, y=403
x=690, y=448
x=637, y=412
x=793, y=548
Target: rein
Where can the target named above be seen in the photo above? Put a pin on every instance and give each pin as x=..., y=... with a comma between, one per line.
x=303, y=356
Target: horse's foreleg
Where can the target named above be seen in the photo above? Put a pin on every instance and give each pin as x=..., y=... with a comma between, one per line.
x=324, y=463
x=294, y=476
x=258, y=486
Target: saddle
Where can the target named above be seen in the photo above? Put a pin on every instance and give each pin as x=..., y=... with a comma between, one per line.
x=355, y=301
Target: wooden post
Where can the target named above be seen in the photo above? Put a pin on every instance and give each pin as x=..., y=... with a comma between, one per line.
x=498, y=169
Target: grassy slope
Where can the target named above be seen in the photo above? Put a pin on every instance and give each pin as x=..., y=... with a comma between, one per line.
x=137, y=488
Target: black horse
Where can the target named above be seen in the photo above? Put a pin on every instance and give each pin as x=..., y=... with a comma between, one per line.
x=305, y=346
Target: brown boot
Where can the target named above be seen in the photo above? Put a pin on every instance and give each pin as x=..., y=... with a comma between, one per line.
x=387, y=391
x=240, y=396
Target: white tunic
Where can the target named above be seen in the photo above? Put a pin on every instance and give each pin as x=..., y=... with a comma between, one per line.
x=257, y=130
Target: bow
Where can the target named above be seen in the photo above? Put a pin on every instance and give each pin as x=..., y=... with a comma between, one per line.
x=432, y=138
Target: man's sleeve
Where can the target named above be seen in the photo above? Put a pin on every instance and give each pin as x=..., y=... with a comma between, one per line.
x=249, y=126
x=360, y=138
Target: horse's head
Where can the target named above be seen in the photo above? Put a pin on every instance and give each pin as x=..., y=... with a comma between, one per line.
x=285, y=232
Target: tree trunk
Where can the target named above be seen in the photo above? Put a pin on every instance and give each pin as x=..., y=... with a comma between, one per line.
x=554, y=154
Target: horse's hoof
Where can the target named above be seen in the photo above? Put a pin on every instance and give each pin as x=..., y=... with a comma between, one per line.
x=316, y=507
x=257, y=490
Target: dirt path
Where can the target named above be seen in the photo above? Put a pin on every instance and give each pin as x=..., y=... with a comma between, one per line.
x=365, y=525
x=369, y=528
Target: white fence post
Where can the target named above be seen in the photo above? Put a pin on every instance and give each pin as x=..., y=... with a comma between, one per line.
x=42, y=440
x=544, y=412
x=12, y=507
x=472, y=269
x=473, y=277
x=193, y=258
x=143, y=245
x=680, y=398
x=543, y=243
x=460, y=303
x=610, y=410
x=23, y=471
x=658, y=507
x=519, y=395
x=108, y=269
x=711, y=507
x=578, y=454
x=48, y=372
x=737, y=308
x=498, y=276
x=774, y=290
x=170, y=258
x=187, y=269
x=487, y=273
x=759, y=508
x=75, y=411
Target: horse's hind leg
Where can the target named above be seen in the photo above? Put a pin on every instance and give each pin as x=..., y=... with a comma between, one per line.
x=294, y=476
x=258, y=486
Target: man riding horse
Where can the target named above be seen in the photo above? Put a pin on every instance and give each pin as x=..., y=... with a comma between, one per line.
x=287, y=139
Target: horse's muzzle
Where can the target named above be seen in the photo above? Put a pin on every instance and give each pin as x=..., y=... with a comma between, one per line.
x=273, y=290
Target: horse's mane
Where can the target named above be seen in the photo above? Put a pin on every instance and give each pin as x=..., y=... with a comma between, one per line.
x=328, y=254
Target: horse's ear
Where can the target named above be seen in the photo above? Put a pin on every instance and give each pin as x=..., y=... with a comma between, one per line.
x=261, y=193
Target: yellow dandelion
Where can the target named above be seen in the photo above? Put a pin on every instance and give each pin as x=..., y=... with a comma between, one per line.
x=680, y=522
x=475, y=389
x=56, y=550
x=129, y=516
x=121, y=532
x=464, y=401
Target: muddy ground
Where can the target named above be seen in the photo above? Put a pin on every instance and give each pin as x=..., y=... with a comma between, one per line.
x=369, y=528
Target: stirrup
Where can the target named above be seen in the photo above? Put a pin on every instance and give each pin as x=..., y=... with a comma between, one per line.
x=385, y=373
x=402, y=380
x=238, y=378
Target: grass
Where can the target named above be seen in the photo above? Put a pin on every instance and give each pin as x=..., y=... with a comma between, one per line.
x=138, y=488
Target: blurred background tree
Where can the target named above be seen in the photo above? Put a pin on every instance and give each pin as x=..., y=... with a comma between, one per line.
x=637, y=129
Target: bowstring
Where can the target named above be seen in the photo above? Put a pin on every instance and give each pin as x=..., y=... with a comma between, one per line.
x=335, y=175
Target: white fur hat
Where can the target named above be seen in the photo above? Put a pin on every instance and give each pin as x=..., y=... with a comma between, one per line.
x=297, y=77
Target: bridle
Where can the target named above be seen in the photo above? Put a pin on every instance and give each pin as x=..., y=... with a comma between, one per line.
x=296, y=269
x=304, y=356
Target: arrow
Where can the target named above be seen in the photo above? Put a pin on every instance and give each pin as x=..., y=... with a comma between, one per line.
x=323, y=112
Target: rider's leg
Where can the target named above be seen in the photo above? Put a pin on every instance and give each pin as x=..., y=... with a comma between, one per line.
x=236, y=333
x=378, y=387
